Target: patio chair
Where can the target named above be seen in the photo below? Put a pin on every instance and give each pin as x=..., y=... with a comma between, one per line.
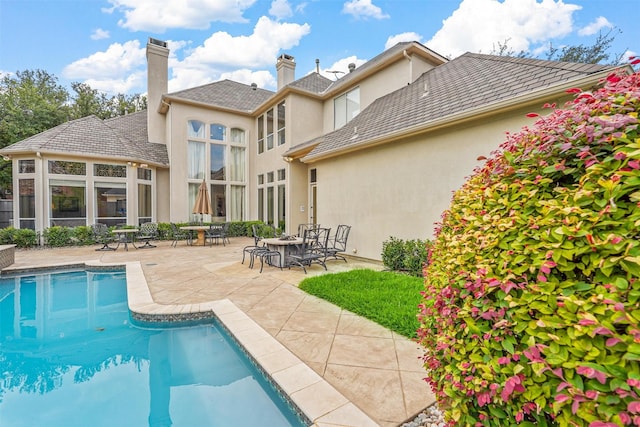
x=103, y=236
x=147, y=233
x=255, y=247
x=303, y=227
x=339, y=244
x=313, y=249
x=180, y=235
x=215, y=232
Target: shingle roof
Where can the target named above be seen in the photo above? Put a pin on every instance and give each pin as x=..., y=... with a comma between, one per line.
x=226, y=94
x=313, y=82
x=465, y=83
x=123, y=137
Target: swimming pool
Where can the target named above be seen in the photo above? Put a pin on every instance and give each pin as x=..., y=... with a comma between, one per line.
x=70, y=356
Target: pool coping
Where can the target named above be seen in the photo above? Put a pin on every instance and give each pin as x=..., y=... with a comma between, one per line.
x=310, y=394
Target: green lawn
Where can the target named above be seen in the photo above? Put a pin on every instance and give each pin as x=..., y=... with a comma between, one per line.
x=387, y=298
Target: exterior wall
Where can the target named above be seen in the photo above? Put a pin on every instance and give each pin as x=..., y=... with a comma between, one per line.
x=177, y=190
x=401, y=189
x=157, y=85
x=385, y=81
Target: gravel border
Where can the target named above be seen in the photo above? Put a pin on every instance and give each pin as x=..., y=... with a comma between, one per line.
x=430, y=417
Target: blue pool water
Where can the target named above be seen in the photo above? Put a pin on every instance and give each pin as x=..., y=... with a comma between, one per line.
x=69, y=356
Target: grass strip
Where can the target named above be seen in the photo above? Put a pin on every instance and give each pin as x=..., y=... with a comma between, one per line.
x=387, y=298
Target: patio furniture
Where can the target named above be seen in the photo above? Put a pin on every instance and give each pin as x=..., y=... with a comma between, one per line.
x=313, y=249
x=215, y=232
x=180, y=235
x=147, y=233
x=126, y=236
x=339, y=244
x=280, y=248
x=201, y=229
x=303, y=227
x=103, y=236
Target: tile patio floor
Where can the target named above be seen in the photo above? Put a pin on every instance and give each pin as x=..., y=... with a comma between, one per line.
x=375, y=369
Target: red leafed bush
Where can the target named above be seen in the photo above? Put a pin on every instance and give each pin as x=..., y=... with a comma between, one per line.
x=532, y=292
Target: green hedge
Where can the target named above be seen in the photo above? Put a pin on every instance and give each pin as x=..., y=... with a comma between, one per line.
x=408, y=256
x=60, y=236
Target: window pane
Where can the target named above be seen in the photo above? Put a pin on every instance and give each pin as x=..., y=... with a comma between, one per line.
x=193, y=193
x=195, y=129
x=281, y=207
x=144, y=174
x=281, y=123
x=237, y=164
x=26, y=166
x=67, y=168
x=218, y=132
x=27, y=199
x=353, y=104
x=270, y=129
x=111, y=203
x=217, y=162
x=144, y=201
x=68, y=203
x=260, y=134
x=237, y=136
x=113, y=171
x=196, y=158
x=218, y=201
x=270, y=205
x=237, y=203
x=261, y=204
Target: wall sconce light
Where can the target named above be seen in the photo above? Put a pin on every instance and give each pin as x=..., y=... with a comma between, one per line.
x=38, y=154
x=132, y=164
x=288, y=159
x=144, y=165
x=6, y=158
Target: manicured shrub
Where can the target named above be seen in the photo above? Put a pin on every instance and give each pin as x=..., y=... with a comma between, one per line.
x=407, y=256
x=534, y=274
x=82, y=235
x=25, y=238
x=58, y=236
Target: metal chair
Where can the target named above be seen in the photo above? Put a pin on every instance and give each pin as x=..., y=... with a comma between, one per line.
x=303, y=227
x=313, y=249
x=103, y=236
x=147, y=233
x=339, y=244
x=255, y=247
x=215, y=232
x=180, y=235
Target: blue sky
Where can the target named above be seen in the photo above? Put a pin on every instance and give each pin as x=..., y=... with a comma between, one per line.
x=102, y=42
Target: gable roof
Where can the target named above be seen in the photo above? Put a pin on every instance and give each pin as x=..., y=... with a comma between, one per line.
x=224, y=94
x=123, y=137
x=462, y=85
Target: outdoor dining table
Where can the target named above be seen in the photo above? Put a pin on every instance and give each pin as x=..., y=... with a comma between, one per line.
x=286, y=247
x=201, y=229
x=126, y=236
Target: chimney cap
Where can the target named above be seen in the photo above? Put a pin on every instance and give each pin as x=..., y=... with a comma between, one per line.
x=285, y=57
x=157, y=42
x=254, y=86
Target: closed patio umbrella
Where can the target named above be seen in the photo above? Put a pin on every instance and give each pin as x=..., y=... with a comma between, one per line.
x=202, y=205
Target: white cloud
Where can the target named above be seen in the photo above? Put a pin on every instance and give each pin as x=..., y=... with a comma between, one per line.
x=100, y=34
x=158, y=15
x=404, y=37
x=135, y=82
x=480, y=25
x=117, y=62
x=628, y=56
x=363, y=9
x=280, y=9
x=591, y=29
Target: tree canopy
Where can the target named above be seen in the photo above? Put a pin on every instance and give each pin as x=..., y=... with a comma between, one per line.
x=33, y=101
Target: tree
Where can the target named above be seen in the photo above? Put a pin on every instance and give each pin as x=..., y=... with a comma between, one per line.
x=31, y=102
x=594, y=54
x=88, y=101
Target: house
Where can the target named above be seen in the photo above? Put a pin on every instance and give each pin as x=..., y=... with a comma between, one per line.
x=382, y=148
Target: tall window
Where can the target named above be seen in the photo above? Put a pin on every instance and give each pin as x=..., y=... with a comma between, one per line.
x=218, y=132
x=27, y=203
x=219, y=201
x=217, y=162
x=196, y=156
x=281, y=123
x=270, y=129
x=111, y=202
x=145, y=212
x=261, y=134
x=270, y=205
x=281, y=207
x=236, y=204
x=346, y=107
x=260, y=204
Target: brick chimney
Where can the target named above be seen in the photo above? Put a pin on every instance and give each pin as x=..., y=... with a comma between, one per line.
x=157, y=85
x=286, y=68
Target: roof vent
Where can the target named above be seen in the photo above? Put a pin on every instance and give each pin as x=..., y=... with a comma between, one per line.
x=352, y=67
x=157, y=42
x=254, y=86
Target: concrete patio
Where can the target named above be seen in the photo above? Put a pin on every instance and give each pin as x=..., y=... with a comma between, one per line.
x=377, y=371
